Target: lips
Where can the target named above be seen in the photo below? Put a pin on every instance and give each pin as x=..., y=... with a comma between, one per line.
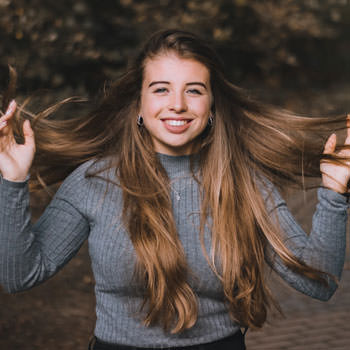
x=176, y=126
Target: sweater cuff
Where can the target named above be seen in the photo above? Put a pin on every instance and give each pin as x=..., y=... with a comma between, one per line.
x=13, y=194
x=14, y=184
x=332, y=200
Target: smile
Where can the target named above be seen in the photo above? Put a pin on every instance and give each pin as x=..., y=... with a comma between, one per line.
x=176, y=126
x=173, y=122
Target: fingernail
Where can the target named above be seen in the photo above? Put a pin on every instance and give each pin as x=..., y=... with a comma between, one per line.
x=3, y=123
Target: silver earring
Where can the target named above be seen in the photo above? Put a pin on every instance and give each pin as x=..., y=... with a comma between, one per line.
x=210, y=120
x=139, y=120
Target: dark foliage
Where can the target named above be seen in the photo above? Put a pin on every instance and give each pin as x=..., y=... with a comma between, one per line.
x=78, y=45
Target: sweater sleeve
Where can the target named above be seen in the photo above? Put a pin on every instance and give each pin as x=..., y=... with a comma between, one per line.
x=30, y=254
x=324, y=248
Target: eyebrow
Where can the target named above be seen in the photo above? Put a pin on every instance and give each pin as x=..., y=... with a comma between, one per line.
x=166, y=82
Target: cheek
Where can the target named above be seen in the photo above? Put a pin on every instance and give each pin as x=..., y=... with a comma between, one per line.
x=203, y=109
x=150, y=107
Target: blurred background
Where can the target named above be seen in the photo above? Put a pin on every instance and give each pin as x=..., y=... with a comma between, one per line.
x=73, y=47
x=291, y=53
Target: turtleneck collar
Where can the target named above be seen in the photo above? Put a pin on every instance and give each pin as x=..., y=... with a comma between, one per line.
x=178, y=165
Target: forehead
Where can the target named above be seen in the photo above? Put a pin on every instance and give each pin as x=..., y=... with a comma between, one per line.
x=171, y=67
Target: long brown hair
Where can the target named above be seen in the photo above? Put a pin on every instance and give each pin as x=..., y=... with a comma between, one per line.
x=249, y=145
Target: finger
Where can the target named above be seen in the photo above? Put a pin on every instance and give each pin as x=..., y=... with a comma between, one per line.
x=28, y=134
x=329, y=147
x=347, y=141
x=5, y=127
x=10, y=111
x=3, y=124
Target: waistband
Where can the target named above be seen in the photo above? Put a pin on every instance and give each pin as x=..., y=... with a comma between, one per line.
x=233, y=342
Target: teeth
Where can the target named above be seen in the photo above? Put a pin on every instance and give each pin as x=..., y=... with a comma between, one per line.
x=176, y=122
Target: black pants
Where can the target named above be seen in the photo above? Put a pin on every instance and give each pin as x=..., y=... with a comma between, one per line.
x=234, y=342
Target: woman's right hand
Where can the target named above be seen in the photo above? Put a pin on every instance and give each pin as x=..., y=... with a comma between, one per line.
x=15, y=159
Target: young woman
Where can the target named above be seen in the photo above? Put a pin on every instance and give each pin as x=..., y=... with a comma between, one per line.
x=175, y=187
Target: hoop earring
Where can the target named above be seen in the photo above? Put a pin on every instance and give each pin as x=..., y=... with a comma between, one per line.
x=210, y=120
x=139, y=120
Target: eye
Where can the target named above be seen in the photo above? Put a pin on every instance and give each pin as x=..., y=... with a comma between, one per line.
x=194, y=91
x=160, y=90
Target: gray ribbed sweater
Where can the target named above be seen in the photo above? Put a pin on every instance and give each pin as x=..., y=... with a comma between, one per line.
x=30, y=254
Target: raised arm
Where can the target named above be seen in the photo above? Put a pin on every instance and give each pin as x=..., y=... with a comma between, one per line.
x=324, y=247
x=30, y=254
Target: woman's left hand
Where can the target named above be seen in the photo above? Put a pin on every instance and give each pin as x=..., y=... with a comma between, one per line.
x=336, y=176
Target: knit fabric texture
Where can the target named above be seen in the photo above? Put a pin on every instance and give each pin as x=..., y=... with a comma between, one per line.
x=86, y=208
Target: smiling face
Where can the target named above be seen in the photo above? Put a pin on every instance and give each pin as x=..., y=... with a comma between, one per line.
x=175, y=102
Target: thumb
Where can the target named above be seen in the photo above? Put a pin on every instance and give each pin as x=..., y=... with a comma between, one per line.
x=329, y=147
x=28, y=134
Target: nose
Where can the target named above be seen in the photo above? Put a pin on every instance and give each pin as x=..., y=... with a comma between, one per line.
x=177, y=102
